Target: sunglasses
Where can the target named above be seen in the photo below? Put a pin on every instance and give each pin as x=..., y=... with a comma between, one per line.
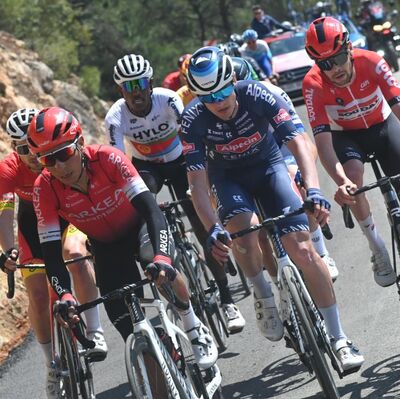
x=218, y=96
x=61, y=155
x=131, y=85
x=22, y=149
x=339, y=60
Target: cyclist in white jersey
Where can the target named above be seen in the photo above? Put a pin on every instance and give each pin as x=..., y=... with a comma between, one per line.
x=149, y=118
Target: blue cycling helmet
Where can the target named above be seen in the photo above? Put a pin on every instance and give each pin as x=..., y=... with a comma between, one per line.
x=210, y=70
x=250, y=34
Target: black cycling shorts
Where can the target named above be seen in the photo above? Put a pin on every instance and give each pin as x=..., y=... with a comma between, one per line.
x=382, y=139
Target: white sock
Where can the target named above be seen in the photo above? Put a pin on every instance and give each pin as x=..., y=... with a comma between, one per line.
x=318, y=241
x=189, y=320
x=46, y=348
x=92, y=317
x=262, y=287
x=368, y=228
x=332, y=322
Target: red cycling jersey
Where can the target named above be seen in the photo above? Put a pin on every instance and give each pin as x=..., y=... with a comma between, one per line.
x=172, y=81
x=365, y=102
x=105, y=212
x=16, y=177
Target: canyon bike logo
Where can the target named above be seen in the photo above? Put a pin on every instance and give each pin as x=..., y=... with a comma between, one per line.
x=282, y=116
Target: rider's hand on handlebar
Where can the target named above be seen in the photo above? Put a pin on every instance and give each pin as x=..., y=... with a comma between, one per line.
x=65, y=311
x=321, y=205
x=161, y=270
x=343, y=196
x=219, y=248
x=8, y=260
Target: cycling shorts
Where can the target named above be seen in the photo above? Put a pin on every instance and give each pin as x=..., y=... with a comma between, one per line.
x=236, y=191
x=28, y=239
x=383, y=139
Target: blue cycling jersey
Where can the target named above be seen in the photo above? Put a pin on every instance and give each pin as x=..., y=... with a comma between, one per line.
x=244, y=140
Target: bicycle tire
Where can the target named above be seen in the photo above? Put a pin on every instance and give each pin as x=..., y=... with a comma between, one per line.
x=136, y=347
x=209, y=312
x=69, y=364
x=316, y=356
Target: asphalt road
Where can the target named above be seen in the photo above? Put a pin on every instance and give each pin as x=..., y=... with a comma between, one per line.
x=256, y=368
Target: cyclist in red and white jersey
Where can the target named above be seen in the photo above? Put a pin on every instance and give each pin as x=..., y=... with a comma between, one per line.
x=353, y=104
x=150, y=119
x=99, y=190
x=18, y=172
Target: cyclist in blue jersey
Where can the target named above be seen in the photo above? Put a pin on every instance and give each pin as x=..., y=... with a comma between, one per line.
x=244, y=71
x=227, y=126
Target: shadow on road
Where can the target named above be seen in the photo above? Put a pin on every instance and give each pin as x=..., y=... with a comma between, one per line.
x=285, y=375
x=121, y=391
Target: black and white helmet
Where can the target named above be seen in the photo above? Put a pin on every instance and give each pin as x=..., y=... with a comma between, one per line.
x=131, y=67
x=210, y=70
x=18, y=123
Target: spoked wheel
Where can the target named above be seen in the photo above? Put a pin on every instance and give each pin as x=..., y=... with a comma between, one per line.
x=315, y=355
x=145, y=375
x=69, y=364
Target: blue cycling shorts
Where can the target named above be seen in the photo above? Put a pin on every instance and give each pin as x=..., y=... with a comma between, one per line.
x=235, y=191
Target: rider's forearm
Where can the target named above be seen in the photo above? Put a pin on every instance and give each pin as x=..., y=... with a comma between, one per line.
x=7, y=230
x=300, y=149
x=202, y=205
x=329, y=159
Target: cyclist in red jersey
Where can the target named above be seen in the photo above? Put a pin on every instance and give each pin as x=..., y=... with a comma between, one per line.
x=18, y=172
x=98, y=190
x=175, y=80
x=353, y=105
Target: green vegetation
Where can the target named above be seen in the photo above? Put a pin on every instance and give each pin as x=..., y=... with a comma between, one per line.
x=86, y=37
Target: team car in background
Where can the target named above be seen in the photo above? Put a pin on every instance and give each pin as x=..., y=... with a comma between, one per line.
x=291, y=60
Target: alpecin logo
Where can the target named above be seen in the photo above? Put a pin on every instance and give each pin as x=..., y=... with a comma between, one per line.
x=239, y=145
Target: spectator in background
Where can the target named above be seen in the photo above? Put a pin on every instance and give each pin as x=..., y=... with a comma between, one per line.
x=176, y=79
x=264, y=24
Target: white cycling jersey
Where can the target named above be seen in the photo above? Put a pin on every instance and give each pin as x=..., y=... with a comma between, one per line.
x=153, y=137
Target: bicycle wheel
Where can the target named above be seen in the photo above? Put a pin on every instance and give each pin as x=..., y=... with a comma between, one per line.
x=314, y=353
x=69, y=364
x=145, y=375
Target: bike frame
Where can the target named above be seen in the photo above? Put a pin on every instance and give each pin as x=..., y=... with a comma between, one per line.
x=143, y=327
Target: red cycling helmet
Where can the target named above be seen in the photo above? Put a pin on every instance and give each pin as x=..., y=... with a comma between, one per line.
x=325, y=37
x=52, y=127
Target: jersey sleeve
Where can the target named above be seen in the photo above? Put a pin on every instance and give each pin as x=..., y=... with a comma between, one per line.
x=45, y=203
x=114, y=133
x=192, y=134
x=314, y=99
x=176, y=106
x=8, y=177
x=387, y=82
x=121, y=171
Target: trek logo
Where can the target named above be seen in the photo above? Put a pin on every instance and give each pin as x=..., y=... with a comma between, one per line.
x=187, y=148
x=309, y=93
x=239, y=145
x=282, y=116
x=384, y=68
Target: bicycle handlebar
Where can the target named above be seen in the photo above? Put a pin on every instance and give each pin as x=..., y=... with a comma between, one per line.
x=11, y=277
x=165, y=206
x=113, y=295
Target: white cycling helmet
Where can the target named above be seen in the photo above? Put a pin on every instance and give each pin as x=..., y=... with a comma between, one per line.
x=131, y=67
x=210, y=70
x=18, y=123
